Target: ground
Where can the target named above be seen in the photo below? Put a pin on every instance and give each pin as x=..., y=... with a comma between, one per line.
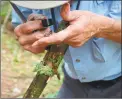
x=17, y=69
x=17, y=65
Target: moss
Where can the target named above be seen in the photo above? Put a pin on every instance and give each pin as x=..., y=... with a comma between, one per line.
x=46, y=70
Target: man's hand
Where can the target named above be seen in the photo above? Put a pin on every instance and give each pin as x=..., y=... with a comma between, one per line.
x=83, y=26
x=27, y=37
x=80, y=30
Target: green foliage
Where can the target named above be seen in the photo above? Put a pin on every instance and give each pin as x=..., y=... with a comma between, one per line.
x=52, y=95
x=4, y=10
x=46, y=70
x=12, y=45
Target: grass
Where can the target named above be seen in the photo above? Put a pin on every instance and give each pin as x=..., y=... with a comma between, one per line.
x=4, y=10
x=17, y=66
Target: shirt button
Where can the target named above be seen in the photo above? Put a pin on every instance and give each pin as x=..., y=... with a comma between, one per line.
x=83, y=77
x=77, y=60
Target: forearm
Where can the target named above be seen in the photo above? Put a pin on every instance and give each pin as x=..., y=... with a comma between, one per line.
x=110, y=29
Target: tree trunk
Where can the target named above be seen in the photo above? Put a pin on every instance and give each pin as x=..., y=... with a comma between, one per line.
x=52, y=58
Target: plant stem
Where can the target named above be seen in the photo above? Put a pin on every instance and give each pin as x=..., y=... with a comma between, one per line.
x=39, y=82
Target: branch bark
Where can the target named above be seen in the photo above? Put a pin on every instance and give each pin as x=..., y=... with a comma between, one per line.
x=56, y=54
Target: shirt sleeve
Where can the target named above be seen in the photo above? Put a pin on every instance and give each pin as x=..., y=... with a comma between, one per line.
x=115, y=10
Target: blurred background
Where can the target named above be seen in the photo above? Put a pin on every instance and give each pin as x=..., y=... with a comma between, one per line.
x=17, y=65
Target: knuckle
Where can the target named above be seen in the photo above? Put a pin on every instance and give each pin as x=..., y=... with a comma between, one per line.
x=17, y=30
x=21, y=41
x=28, y=28
x=30, y=17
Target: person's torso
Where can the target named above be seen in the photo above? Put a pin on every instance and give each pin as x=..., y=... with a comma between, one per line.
x=99, y=58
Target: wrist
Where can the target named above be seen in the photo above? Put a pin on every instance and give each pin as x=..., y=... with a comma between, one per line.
x=105, y=26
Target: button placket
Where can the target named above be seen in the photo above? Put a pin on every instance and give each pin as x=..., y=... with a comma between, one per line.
x=77, y=67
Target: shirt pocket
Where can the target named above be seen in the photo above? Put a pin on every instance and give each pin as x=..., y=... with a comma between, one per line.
x=98, y=49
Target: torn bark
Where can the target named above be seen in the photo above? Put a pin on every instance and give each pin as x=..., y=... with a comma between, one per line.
x=56, y=54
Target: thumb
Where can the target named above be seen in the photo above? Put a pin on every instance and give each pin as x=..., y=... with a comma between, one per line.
x=55, y=38
x=68, y=15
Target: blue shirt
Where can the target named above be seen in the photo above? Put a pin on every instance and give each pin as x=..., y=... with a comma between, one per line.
x=98, y=58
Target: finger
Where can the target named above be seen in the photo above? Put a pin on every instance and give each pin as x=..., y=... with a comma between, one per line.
x=34, y=50
x=55, y=38
x=28, y=27
x=68, y=15
x=30, y=17
x=29, y=39
x=33, y=16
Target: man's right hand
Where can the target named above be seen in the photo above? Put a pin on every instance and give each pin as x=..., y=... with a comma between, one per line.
x=27, y=37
